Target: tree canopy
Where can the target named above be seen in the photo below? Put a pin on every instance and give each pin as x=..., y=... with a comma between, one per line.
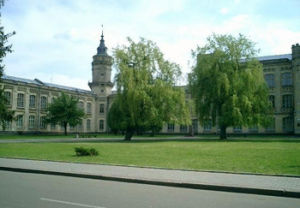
x=146, y=93
x=227, y=83
x=64, y=110
x=6, y=115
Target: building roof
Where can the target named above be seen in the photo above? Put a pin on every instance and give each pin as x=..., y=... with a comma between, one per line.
x=275, y=57
x=39, y=82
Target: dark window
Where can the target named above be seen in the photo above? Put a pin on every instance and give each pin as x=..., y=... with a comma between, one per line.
x=32, y=101
x=271, y=126
x=89, y=108
x=7, y=125
x=53, y=126
x=287, y=101
x=7, y=96
x=31, y=122
x=20, y=100
x=43, y=102
x=207, y=125
x=20, y=121
x=170, y=127
x=88, y=124
x=101, y=125
x=183, y=128
x=286, y=79
x=237, y=129
x=253, y=129
x=288, y=124
x=80, y=126
x=81, y=105
x=195, y=125
x=101, y=110
x=270, y=80
x=272, y=100
x=43, y=122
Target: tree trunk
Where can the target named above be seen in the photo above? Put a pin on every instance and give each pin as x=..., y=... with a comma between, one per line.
x=223, y=134
x=128, y=134
x=191, y=131
x=65, y=127
x=152, y=134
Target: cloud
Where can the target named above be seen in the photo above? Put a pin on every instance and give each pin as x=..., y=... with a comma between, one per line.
x=59, y=38
x=224, y=10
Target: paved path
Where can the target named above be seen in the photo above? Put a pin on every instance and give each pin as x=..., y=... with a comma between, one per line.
x=137, y=138
x=258, y=184
x=49, y=140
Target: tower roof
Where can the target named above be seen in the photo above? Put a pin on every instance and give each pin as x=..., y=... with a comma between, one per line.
x=102, y=49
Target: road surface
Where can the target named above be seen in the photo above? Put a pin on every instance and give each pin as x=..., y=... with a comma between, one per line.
x=22, y=190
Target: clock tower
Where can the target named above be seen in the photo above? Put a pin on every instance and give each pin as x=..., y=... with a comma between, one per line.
x=101, y=84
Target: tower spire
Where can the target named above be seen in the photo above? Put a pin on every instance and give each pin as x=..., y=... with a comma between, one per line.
x=101, y=50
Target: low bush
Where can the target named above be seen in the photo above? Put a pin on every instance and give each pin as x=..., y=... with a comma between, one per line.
x=81, y=151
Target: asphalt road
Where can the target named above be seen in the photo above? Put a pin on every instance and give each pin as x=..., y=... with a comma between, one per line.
x=20, y=190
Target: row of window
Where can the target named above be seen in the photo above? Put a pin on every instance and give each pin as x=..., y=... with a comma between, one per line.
x=21, y=100
x=287, y=101
x=32, y=102
x=286, y=80
x=32, y=123
x=287, y=125
x=89, y=107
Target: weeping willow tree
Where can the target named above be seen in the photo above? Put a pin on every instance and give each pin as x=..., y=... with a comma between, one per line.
x=146, y=93
x=227, y=83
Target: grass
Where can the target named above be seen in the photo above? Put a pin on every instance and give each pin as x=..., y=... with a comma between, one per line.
x=265, y=156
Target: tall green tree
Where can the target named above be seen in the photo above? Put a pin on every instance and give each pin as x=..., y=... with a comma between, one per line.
x=227, y=83
x=5, y=113
x=146, y=93
x=64, y=110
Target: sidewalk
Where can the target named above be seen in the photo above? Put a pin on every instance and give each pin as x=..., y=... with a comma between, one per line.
x=242, y=183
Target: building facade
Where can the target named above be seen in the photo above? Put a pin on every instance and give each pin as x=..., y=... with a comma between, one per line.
x=30, y=98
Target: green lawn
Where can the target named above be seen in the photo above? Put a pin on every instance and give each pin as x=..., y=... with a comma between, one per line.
x=252, y=156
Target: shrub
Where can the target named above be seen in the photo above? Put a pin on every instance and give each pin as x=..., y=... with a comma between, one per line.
x=81, y=151
x=93, y=152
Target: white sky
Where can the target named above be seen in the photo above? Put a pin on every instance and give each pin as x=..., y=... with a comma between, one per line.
x=56, y=39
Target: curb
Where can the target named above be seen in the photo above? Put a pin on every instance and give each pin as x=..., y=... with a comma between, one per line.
x=268, y=192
